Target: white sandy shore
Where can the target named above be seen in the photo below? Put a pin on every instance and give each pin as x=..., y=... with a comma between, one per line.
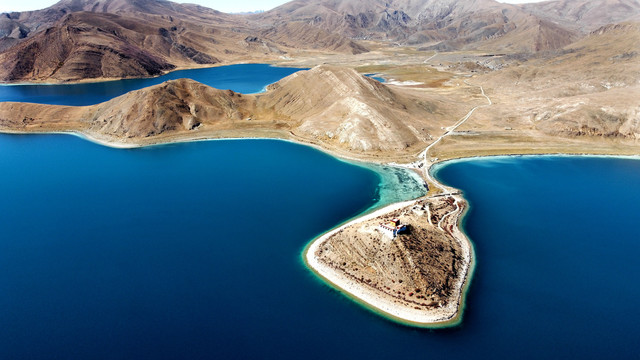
x=403, y=83
x=84, y=136
x=508, y=157
x=446, y=316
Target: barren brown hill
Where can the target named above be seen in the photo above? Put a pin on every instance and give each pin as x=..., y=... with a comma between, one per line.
x=582, y=99
x=419, y=272
x=607, y=58
x=508, y=30
x=598, y=85
x=330, y=106
x=172, y=107
x=339, y=107
x=89, y=45
x=609, y=55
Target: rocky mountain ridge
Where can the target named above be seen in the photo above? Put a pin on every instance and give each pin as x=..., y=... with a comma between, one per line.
x=169, y=35
x=585, y=15
x=436, y=24
x=111, y=39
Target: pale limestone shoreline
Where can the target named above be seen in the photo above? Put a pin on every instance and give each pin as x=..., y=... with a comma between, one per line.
x=81, y=135
x=340, y=156
x=450, y=315
x=443, y=162
x=205, y=137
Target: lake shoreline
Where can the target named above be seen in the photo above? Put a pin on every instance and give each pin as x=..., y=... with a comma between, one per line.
x=379, y=303
x=438, y=321
x=179, y=68
x=336, y=280
x=368, y=299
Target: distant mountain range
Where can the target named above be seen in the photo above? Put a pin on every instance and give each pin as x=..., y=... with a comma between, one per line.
x=98, y=39
x=459, y=24
x=562, y=88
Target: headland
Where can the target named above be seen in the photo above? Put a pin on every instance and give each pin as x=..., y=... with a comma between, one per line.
x=417, y=277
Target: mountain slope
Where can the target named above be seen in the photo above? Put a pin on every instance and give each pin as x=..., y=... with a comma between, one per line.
x=172, y=107
x=339, y=105
x=98, y=39
x=585, y=15
x=89, y=45
x=332, y=106
x=589, y=89
x=438, y=24
x=38, y=20
x=294, y=33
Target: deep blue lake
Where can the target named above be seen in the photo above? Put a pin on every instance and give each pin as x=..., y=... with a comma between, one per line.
x=557, y=241
x=243, y=78
x=179, y=251
x=193, y=251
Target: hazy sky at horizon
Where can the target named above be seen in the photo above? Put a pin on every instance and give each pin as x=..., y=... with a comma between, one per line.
x=225, y=6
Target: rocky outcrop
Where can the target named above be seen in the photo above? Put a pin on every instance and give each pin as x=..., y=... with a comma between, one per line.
x=172, y=107
x=12, y=29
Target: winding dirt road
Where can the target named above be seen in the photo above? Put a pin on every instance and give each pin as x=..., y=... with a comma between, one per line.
x=449, y=130
x=425, y=154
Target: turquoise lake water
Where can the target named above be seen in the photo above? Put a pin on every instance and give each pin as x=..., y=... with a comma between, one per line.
x=377, y=78
x=193, y=251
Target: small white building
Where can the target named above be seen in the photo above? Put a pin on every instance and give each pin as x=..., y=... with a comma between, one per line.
x=392, y=228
